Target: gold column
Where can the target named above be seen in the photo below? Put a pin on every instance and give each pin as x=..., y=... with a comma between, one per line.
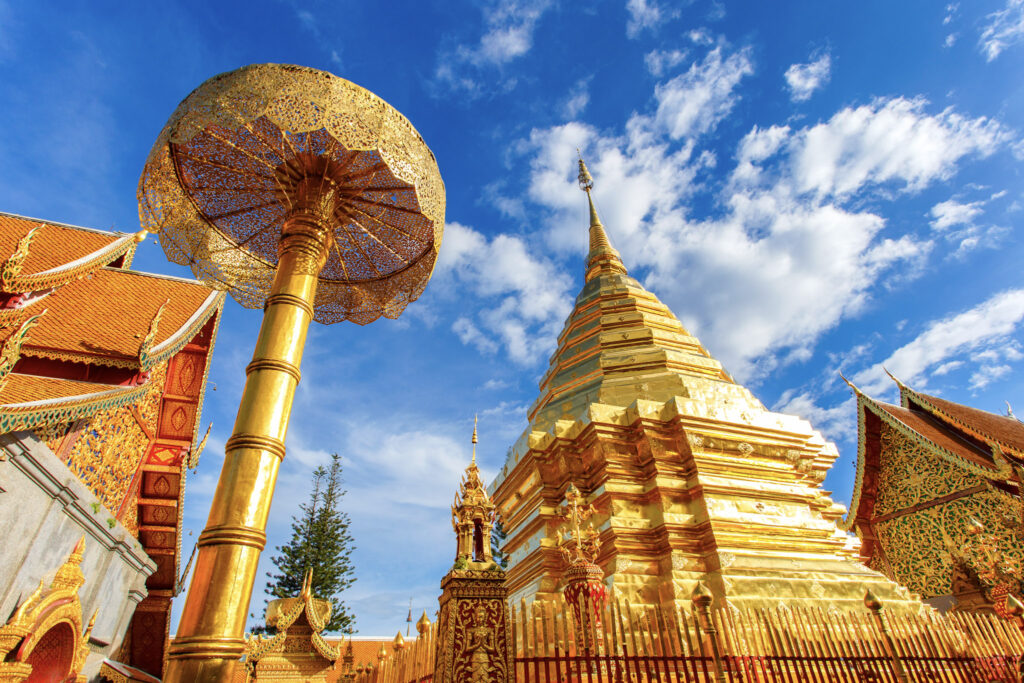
x=210, y=636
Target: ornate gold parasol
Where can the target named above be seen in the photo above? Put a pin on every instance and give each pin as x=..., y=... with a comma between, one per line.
x=309, y=196
x=249, y=147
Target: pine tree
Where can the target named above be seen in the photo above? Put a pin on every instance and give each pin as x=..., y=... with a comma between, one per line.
x=320, y=541
x=497, y=538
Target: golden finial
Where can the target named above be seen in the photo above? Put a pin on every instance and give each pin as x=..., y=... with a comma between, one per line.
x=602, y=257
x=475, y=417
x=423, y=624
x=585, y=179
x=140, y=236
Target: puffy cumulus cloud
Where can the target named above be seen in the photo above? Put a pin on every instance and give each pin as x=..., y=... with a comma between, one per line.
x=645, y=14
x=509, y=34
x=888, y=141
x=1002, y=29
x=694, y=102
x=980, y=335
x=527, y=295
x=792, y=251
x=803, y=79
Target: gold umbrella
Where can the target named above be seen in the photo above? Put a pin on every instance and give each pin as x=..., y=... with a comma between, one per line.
x=304, y=194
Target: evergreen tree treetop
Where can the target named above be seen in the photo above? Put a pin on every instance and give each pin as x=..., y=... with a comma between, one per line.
x=320, y=542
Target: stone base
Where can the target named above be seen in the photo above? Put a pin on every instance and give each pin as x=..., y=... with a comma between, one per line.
x=474, y=636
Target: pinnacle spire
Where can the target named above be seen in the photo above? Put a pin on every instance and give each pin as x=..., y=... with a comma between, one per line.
x=602, y=258
x=474, y=439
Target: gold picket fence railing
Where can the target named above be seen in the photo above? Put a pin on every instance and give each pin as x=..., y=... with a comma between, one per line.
x=643, y=644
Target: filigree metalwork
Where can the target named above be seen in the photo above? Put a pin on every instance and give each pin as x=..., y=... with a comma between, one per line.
x=581, y=545
x=250, y=147
x=910, y=474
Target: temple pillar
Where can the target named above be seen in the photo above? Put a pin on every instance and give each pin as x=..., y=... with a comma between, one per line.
x=474, y=637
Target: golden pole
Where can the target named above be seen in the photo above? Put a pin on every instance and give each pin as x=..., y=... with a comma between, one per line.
x=210, y=637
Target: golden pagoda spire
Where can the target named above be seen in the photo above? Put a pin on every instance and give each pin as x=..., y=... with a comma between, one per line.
x=602, y=258
x=474, y=439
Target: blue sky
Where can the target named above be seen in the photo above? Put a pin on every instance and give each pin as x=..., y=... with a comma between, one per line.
x=812, y=187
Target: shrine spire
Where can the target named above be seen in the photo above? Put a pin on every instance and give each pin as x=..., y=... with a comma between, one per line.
x=602, y=257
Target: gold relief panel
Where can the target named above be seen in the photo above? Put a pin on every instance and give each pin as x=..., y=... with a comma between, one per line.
x=108, y=452
x=919, y=546
x=910, y=474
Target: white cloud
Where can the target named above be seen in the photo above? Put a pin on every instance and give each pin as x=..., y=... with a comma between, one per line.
x=837, y=423
x=804, y=79
x=889, y=140
x=660, y=61
x=985, y=328
x=988, y=374
x=951, y=213
x=950, y=40
x=958, y=223
x=794, y=251
x=693, y=103
x=578, y=98
x=529, y=296
x=509, y=34
x=1003, y=29
x=645, y=14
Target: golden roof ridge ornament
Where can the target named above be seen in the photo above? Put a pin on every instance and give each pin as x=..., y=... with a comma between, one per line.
x=602, y=257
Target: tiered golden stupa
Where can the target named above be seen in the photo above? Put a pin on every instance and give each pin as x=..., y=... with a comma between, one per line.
x=693, y=478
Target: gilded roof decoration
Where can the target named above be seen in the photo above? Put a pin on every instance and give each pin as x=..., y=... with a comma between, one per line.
x=58, y=250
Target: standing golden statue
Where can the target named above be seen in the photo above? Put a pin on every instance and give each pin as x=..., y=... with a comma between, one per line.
x=305, y=195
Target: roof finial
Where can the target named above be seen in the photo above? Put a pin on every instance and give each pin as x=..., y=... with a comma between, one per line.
x=602, y=257
x=474, y=439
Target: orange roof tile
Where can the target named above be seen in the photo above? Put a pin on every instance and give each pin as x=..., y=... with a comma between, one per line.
x=1007, y=431
x=53, y=244
x=20, y=389
x=104, y=318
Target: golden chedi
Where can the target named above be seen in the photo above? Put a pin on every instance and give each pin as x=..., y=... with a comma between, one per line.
x=694, y=479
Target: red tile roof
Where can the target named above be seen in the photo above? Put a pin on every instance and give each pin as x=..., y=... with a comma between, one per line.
x=53, y=244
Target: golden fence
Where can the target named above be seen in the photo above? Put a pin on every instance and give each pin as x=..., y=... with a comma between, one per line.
x=622, y=643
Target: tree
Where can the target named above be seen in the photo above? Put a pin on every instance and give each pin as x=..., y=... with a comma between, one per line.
x=320, y=541
x=497, y=538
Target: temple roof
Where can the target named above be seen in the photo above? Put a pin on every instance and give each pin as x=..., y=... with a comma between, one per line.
x=1004, y=430
x=52, y=254
x=121, y=305
x=621, y=343
x=93, y=340
x=952, y=432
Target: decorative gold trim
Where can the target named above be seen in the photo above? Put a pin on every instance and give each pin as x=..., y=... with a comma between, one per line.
x=44, y=609
x=10, y=348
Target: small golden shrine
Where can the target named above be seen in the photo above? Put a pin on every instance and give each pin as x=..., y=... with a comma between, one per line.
x=474, y=636
x=693, y=478
x=297, y=651
x=937, y=499
x=43, y=640
x=104, y=368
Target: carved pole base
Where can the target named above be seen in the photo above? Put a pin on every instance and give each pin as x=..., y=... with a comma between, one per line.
x=474, y=637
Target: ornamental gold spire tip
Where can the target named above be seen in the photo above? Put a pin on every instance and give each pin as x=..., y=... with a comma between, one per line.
x=475, y=417
x=602, y=258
